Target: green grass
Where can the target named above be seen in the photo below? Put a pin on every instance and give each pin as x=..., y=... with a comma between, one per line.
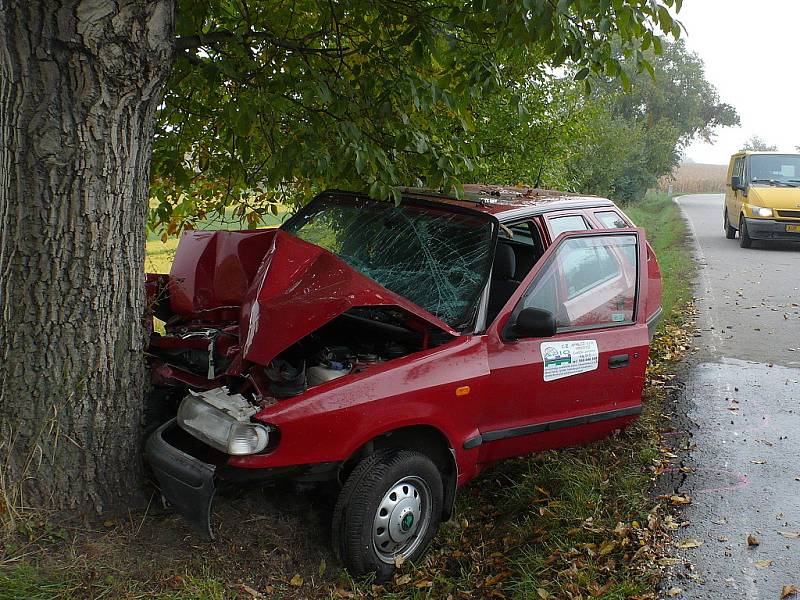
x=666, y=232
x=557, y=525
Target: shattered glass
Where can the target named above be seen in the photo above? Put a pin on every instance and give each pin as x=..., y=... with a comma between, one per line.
x=435, y=257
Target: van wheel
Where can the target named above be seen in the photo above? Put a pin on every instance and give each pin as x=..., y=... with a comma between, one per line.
x=390, y=506
x=745, y=241
x=730, y=232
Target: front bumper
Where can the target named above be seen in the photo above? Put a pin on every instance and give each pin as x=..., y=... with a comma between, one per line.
x=768, y=229
x=186, y=482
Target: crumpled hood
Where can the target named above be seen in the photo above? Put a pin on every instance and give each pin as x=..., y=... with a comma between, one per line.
x=282, y=287
x=299, y=288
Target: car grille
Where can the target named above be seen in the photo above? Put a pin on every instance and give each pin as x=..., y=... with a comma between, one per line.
x=789, y=214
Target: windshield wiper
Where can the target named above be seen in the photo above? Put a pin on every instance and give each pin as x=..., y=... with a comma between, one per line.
x=775, y=182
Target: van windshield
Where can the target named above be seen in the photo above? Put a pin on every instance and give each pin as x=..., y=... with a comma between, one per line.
x=436, y=257
x=775, y=169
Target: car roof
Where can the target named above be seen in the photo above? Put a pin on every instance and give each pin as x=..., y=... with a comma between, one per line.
x=509, y=202
x=772, y=152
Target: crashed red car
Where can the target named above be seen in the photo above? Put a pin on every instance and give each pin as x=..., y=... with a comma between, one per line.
x=397, y=350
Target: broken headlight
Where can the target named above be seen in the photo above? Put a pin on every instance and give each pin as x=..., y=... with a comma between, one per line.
x=219, y=430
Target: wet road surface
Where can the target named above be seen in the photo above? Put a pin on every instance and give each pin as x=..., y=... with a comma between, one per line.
x=739, y=424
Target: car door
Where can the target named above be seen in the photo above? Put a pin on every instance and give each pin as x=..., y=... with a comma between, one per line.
x=587, y=379
x=734, y=198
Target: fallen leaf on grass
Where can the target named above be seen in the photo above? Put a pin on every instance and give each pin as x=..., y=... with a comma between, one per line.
x=674, y=591
x=399, y=560
x=763, y=564
x=403, y=579
x=607, y=547
x=254, y=593
x=752, y=540
x=689, y=543
x=296, y=581
x=788, y=590
x=792, y=535
x=669, y=562
x=542, y=593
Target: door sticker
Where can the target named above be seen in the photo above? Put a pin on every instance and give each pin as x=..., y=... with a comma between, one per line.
x=564, y=359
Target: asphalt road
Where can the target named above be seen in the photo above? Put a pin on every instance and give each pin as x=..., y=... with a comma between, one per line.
x=738, y=437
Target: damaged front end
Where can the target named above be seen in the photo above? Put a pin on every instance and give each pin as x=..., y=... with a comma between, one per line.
x=250, y=319
x=186, y=469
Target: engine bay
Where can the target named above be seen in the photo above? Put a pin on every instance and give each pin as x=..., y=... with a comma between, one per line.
x=354, y=342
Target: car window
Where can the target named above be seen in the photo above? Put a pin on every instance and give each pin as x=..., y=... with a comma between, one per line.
x=737, y=167
x=522, y=233
x=775, y=169
x=559, y=225
x=588, y=282
x=611, y=219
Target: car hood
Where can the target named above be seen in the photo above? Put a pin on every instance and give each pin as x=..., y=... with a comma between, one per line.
x=775, y=197
x=282, y=287
x=299, y=288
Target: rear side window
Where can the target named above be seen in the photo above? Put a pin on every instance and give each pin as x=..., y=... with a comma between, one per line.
x=559, y=225
x=611, y=219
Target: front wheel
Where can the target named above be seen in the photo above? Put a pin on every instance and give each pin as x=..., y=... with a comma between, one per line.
x=745, y=241
x=390, y=507
x=730, y=232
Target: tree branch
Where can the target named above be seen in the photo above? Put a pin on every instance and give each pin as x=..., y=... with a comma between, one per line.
x=222, y=36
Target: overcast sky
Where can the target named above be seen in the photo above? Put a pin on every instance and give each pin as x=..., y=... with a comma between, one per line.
x=751, y=50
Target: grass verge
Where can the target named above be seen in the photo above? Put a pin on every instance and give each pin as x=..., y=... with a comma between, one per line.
x=575, y=523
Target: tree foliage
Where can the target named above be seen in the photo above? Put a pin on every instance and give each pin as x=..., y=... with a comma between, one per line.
x=616, y=141
x=269, y=101
x=757, y=144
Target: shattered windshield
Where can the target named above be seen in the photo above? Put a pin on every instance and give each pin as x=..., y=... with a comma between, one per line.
x=437, y=258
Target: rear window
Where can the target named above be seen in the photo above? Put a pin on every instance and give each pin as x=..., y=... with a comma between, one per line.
x=559, y=225
x=611, y=219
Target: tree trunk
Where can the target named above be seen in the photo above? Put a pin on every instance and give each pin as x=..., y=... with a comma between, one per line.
x=80, y=83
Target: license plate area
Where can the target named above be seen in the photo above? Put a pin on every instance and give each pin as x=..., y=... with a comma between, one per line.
x=793, y=228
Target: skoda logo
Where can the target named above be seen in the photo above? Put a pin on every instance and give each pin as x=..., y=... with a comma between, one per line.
x=407, y=522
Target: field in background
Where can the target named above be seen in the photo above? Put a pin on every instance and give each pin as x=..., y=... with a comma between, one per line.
x=694, y=178
x=159, y=254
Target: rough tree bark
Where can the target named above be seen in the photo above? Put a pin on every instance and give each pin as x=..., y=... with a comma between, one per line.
x=80, y=82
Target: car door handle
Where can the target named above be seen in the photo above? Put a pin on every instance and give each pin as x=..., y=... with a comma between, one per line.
x=618, y=361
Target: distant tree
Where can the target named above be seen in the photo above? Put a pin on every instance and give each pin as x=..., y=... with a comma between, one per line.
x=756, y=144
x=645, y=121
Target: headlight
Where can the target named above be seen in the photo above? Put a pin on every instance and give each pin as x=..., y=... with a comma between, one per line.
x=760, y=211
x=219, y=430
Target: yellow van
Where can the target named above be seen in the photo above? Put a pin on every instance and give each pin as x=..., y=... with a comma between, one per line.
x=762, y=199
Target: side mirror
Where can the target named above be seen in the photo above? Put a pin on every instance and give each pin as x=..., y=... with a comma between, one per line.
x=532, y=323
x=736, y=183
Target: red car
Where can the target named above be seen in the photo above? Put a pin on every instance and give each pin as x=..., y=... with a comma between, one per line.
x=397, y=350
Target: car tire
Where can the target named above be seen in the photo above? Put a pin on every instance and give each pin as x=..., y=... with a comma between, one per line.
x=390, y=506
x=730, y=232
x=745, y=241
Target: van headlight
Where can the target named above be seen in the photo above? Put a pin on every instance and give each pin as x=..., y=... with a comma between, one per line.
x=760, y=211
x=221, y=431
